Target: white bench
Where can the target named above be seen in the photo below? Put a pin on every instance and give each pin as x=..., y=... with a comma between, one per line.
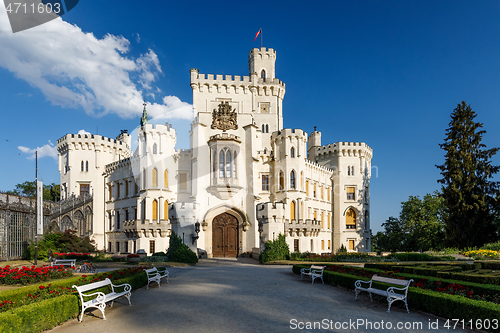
x=64, y=262
x=154, y=275
x=99, y=299
x=390, y=292
x=314, y=272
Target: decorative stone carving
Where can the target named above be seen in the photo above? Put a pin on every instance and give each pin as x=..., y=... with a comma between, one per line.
x=224, y=118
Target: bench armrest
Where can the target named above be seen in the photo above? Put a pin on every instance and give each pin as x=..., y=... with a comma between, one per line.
x=100, y=296
x=358, y=283
x=127, y=287
x=305, y=270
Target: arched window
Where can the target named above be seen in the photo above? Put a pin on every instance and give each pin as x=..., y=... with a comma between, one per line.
x=350, y=219
x=82, y=166
x=292, y=152
x=263, y=128
x=155, y=178
x=165, y=210
x=292, y=210
x=348, y=170
x=228, y=164
x=155, y=210
x=292, y=179
x=314, y=191
x=155, y=149
x=222, y=174
x=87, y=166
x=352, y=170
x=263, y=74
x=282, y=181
x=165, y=178
x=267, y=128
x=234, y=165
x=307, y=187
x=215, y=165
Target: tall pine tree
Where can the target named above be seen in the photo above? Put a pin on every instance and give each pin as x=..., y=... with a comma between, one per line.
x=469, y=193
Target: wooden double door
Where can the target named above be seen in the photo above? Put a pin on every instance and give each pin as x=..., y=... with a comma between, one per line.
x=225, y=236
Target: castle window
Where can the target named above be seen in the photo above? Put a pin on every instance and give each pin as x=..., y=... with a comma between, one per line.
x=328, y=194
x=155, y=149
x=126, y=215
x=292, y=179
x=87, y=166
x=351, y=244
x=350, y=193
x=228, y=164
x=267, y=128
x=366, y=194
x=322, y=244
x=82, y=166
x=367, y=216
x=295, y=245
x=110, y=221
x=263, y=74
x=117, y=220
x=307, y=187
x=151, y=246
x=155, y=210
x=84, y=189
x=126, y=187
x=282, y=181
x=117, y=247
x=350, y=219
x=144, y=183
x=221, y=165
x=110, y=191
x=118, y=190
x=263, y=128
x=165, y=210
x=265, y=182
x=234, y=172
x=322, y=221
x=328, y=244
x=165, y=178
x=292, y=210
x=321, y=191
x=348, y=170
x=328, y=221
x=292, y=152
x=314, y=191
x=143, y=211
x=155, y=178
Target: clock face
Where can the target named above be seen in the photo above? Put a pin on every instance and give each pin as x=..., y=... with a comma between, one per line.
x=264, y=107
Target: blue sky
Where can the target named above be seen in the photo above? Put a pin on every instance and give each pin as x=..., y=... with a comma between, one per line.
x=388, y=73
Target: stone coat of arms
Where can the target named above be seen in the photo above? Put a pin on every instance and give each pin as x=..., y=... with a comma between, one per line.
x=224, y=118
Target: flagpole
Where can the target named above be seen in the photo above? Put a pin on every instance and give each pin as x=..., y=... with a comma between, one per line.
x=36, y=206
x=261, y=44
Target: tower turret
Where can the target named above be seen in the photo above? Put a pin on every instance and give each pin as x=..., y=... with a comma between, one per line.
x=261, y=61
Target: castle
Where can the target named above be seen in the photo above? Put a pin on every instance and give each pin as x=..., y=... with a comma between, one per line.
x=244, y=180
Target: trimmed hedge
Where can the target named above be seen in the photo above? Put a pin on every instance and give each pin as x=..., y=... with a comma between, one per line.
x=436, y=303
x=46, y=314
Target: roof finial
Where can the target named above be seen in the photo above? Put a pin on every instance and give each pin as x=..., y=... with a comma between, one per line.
x=314, y=128
x=144, y=118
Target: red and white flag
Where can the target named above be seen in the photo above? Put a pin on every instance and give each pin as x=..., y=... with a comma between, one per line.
x=257, y=34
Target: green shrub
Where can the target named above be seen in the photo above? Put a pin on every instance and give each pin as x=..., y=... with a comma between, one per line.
x=159, y=254
x=275, y=250
x=491, y=246
x=489, y=264
x=408, y=256
x=180, y=252
x=63, y=242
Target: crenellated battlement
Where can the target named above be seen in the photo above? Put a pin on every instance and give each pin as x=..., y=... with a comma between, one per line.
x=91, y=142
x=318, y=167
x=158, y=129
x=355, y=149
x=263, y=52
x=271, y=211
x=212, y=81
x=288, y=133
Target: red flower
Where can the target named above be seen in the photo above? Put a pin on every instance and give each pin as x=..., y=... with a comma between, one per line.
x=41, y=287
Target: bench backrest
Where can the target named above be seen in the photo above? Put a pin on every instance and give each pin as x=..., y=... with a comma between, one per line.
x=390, y=280
x=92, y=286
x=317, y=268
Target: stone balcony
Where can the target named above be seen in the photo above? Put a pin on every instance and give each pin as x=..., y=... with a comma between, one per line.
x=137, y=229
x=302, y=227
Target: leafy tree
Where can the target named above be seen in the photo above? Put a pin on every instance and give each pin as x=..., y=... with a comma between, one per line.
x=275, y=250
x=63, y=242
x=418, y=227
x=469, y=194
x=51, y=192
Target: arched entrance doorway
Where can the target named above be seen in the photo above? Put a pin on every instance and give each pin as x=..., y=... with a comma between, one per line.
x=225, y=236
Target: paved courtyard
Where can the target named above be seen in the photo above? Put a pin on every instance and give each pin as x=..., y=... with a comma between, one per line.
x=229, y=295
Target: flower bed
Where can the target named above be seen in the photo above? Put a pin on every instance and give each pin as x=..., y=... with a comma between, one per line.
x=423, y=283
x=482, y=253
x=34, y=294
x=27, y=275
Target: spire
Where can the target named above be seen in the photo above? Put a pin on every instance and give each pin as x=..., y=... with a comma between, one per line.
x=144, y=118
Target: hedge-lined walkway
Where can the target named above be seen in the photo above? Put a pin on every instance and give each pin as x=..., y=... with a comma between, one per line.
x=220, y=295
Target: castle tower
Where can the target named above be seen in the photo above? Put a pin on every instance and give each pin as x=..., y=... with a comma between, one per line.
x=313, y=142
x=261, y=61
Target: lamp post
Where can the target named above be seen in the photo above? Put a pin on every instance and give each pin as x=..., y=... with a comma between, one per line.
x=261, y=229
x=197, y=231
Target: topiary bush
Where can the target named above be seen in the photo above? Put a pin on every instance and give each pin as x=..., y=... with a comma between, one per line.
x=275, y=250
x=180, y=252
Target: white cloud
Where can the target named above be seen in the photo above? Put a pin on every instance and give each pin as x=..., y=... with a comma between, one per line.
x=82, y=131
x=46, y=150
x=174, y=108
x=75, y=69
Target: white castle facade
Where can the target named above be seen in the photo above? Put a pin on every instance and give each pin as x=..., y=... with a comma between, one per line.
x=244, y=180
